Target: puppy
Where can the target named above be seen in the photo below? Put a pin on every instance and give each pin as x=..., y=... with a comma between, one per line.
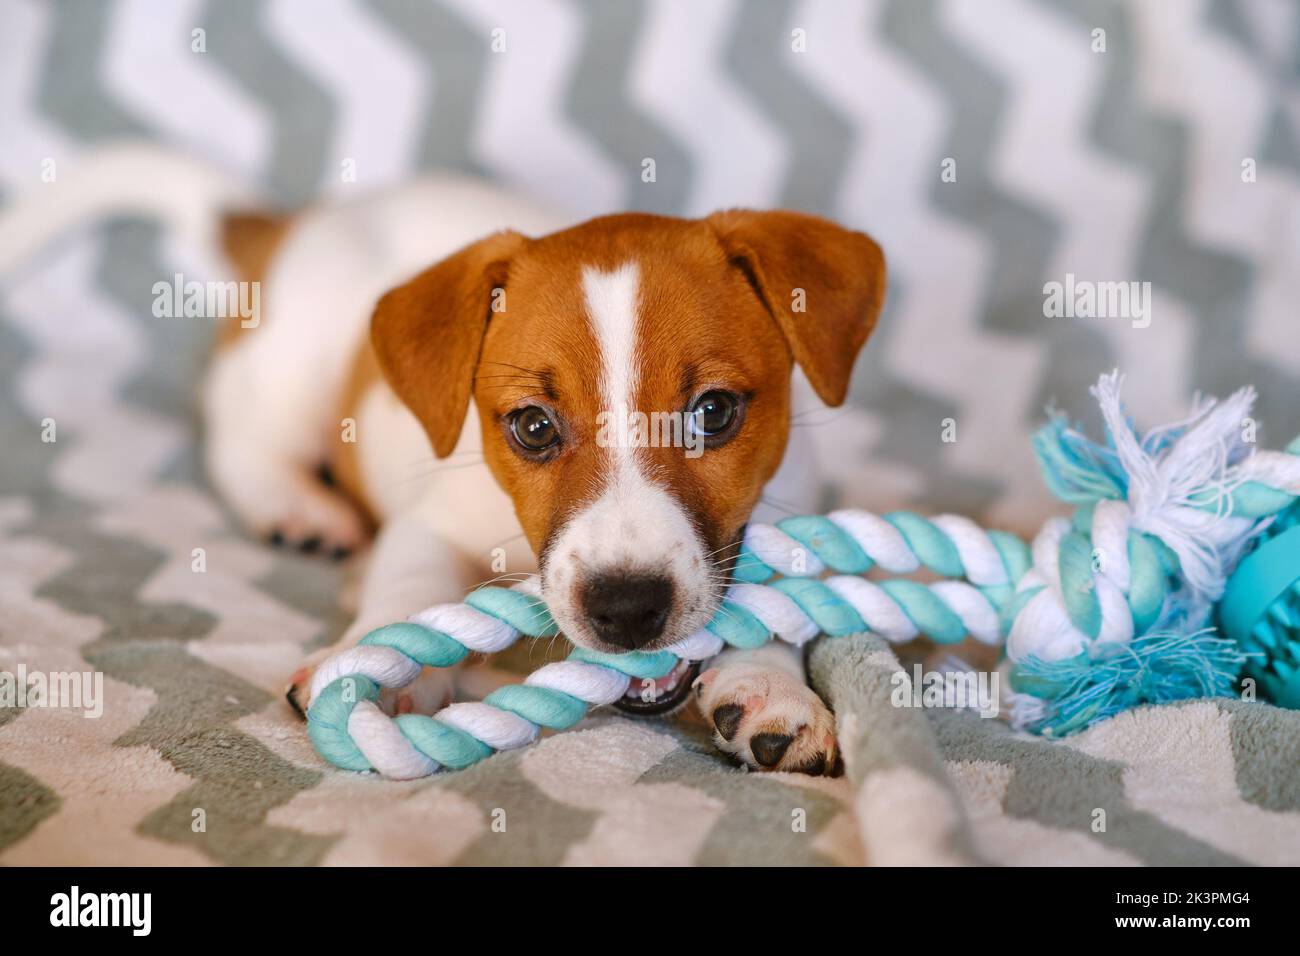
x=455, y=355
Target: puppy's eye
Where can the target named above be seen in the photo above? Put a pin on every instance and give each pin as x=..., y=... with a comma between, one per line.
x=713, y=413
x=533, y=429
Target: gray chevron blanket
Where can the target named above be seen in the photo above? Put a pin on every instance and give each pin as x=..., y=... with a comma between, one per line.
x=185, y=754
x=992, y=146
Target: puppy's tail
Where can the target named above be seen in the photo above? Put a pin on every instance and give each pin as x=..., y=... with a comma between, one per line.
x=122, y=179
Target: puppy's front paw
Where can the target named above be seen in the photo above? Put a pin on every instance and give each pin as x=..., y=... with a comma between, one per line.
x=312, y=518
x=768, y=719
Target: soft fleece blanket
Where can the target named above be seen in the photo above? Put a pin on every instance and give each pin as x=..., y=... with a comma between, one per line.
x=1126, y=164
x=116, y=560
x=196, y=759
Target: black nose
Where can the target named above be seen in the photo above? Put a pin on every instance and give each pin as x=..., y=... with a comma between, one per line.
x=628, y=610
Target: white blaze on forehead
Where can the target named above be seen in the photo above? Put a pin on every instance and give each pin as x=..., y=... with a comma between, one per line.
x=611, y=306
x=634, y=524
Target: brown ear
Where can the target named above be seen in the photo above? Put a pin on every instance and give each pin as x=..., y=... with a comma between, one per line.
x=428, y=333
x=840, y=275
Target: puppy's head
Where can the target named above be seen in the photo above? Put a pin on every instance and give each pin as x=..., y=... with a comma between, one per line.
x=632, y=376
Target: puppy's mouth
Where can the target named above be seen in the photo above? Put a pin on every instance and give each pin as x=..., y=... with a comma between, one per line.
x=662, y=695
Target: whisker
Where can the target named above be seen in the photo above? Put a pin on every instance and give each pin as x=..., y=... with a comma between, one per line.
x=508, y=385
x=834, y=415
x=516, y=578
x=779, y=501
x=522, y=398
x=734, y=544
x=434, y=459
x=520, y=368
x=435, y=470
x=771, y=502
x=507, y=381
x=723, y=575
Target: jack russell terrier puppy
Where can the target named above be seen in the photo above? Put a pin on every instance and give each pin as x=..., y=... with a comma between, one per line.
x=504, y=343
x=465, y=415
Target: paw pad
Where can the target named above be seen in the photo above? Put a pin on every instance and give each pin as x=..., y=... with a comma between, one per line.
x=769, y=748
x=727, y=720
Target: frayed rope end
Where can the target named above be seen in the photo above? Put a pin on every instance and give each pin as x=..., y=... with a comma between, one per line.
x=1153, y=669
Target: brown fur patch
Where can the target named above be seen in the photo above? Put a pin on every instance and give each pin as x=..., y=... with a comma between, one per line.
x=250, y=241
x=695, y=309
x=714, y=312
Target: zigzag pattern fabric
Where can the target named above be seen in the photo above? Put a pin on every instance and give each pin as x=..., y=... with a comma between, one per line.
x=1119, y=165
x=1066, y=159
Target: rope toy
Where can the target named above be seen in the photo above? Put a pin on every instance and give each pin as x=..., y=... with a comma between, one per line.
x=1104, y=611
x=349, y=729
x=1117, y=607
x=1121, y=604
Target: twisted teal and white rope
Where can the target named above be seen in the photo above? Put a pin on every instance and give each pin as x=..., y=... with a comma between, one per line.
x=1120, y=606
x=1162, y=519
x=350, y=730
